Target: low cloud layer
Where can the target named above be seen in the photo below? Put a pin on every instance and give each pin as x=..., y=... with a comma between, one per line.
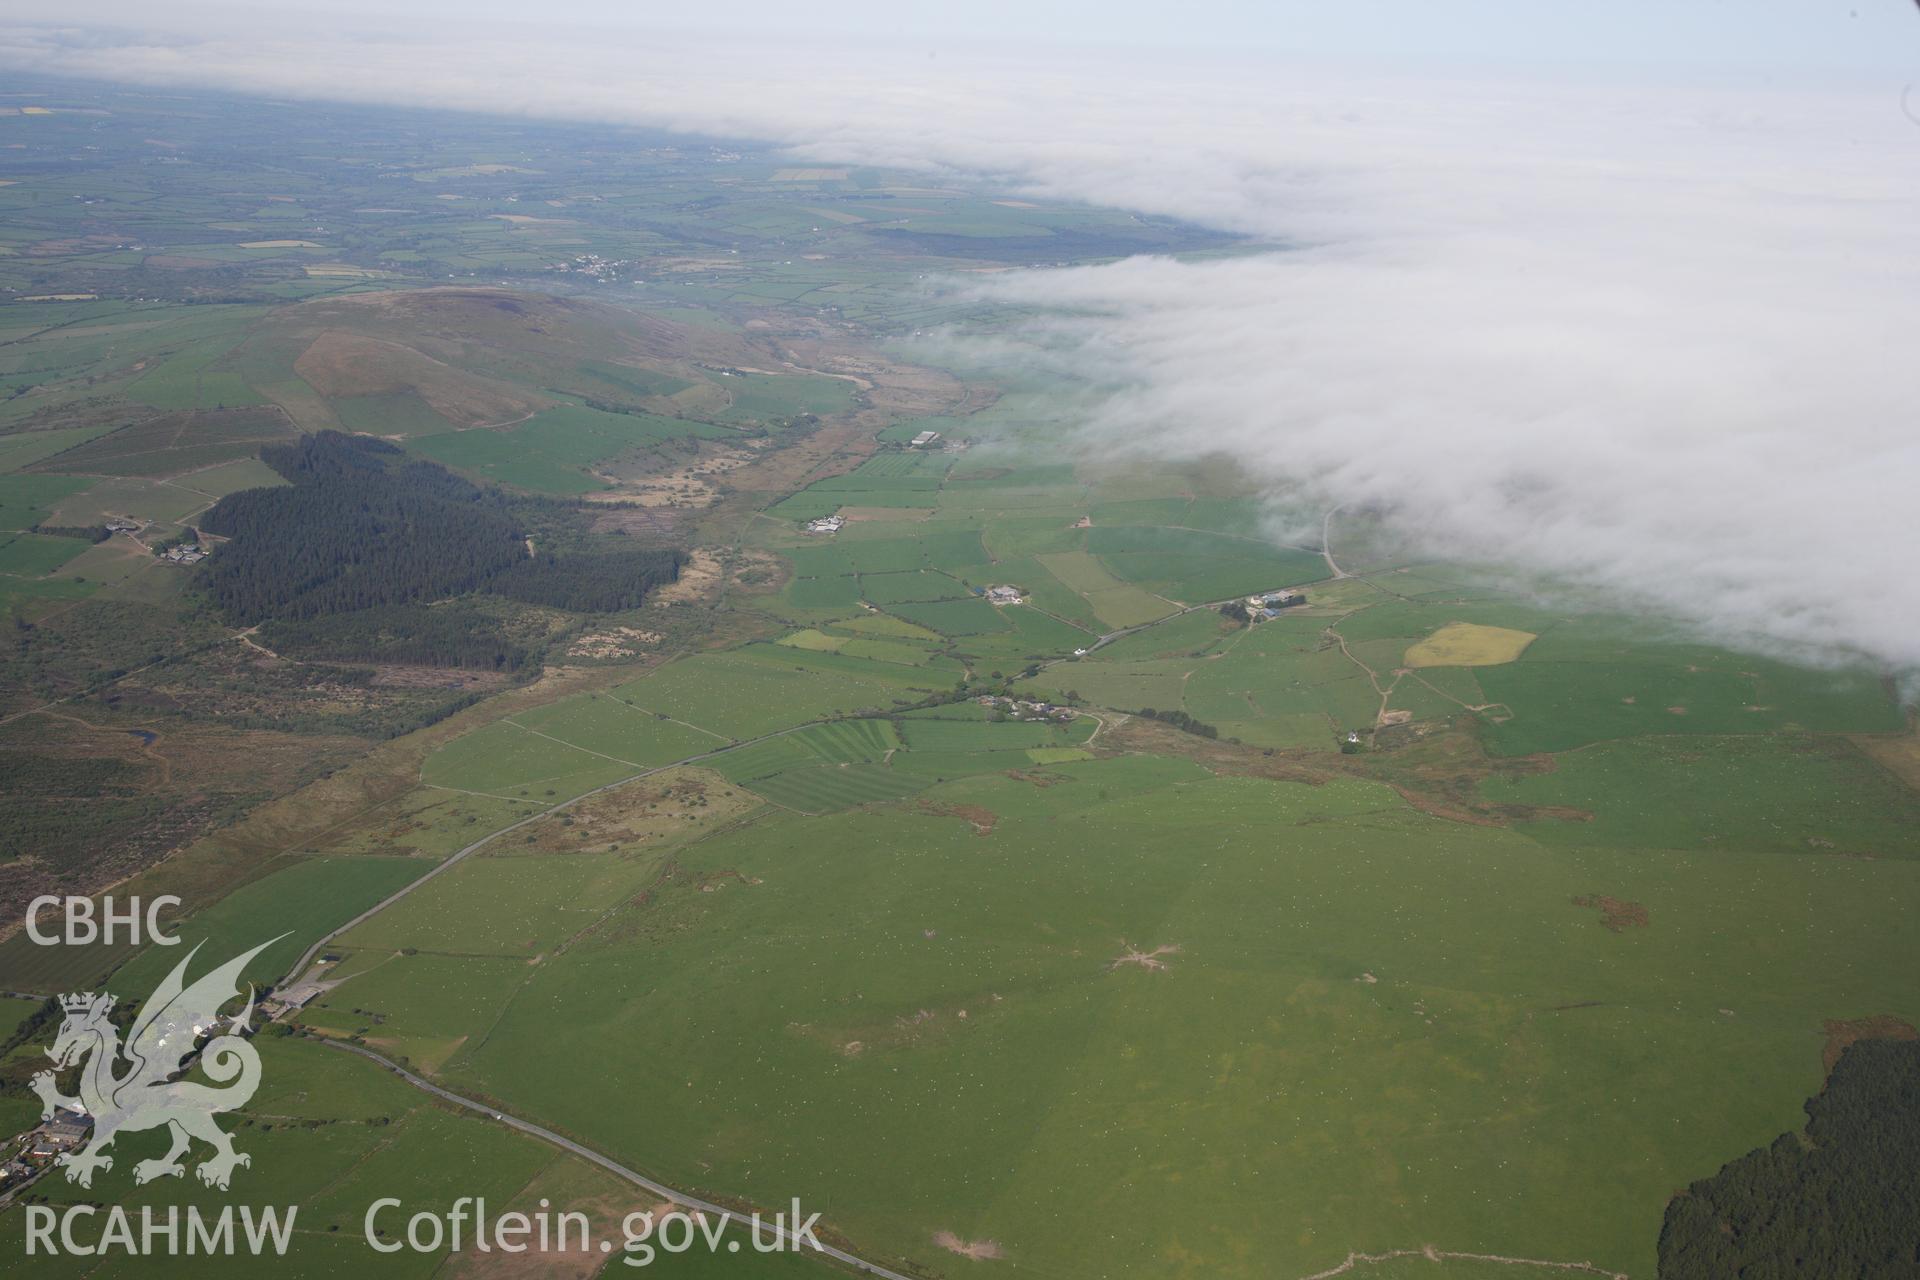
x=1653, y=340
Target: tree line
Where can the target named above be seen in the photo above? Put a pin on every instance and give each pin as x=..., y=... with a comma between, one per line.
x=447, y=635
x=1180, y=720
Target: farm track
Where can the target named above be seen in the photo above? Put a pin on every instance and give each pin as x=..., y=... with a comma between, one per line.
x=1373, y=678
x=1444, y=1255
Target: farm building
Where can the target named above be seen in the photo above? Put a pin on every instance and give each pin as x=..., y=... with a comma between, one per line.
x=1026, y=709
x=1263, y=607
x=826, y=524
x=294, y=998
x=924, y=439
x=1004, y=595
x=67, y=1130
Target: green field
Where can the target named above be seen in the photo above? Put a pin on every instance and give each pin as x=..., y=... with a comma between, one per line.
x=1113, y=602
x=1446, y=923
x=327, y=1135
x=505, y=905
x=756, y=397
x=556, y=449
x=303, y=901
x=1781, y=794
x=1282, y=1001
x=616, y=729
x=27, y=500
x=511, y=762
x=956, y=618
x=174, y=443
x=820, y=788
x=766, y=687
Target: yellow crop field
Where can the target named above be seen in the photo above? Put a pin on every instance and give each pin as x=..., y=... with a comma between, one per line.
x=1467, y=644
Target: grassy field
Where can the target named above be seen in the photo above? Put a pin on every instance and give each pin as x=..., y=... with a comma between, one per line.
x=821, y=788
x=555, y=450
x=765, y=687
x=328, y=1134
x=507, y=761
x=1559, y=930
x=303, y=902
x=615, y=728
x=503, y=905
x=1784, y=794
x=1282, y=997
x=1114, y=603
x=27, y=500
x=173, y=443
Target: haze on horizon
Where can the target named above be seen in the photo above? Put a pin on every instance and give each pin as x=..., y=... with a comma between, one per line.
x=1621, y=296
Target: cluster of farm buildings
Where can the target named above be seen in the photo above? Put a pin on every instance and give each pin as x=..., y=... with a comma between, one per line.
x=1268, y=605
x=185, y=553
x=40, y=1146
x=1023, y=709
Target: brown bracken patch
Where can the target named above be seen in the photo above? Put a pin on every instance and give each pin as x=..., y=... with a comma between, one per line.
x=1841, y=1033
x=1615, y=913
x=983, y=820
x=1440, y=773
x=660, y=810
x=1899, y=755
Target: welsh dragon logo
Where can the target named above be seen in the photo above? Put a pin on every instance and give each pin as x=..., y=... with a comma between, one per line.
x=130, y=1087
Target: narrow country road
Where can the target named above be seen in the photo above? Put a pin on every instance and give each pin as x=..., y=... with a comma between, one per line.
x=448, y=863
x=1326, y=543
x=614, y=1167
x=547, y=1135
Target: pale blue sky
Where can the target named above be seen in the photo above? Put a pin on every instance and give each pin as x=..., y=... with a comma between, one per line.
x=1822, y=34
x=1809, y=35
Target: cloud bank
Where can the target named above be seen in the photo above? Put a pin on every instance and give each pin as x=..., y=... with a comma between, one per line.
x=1655, y=340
